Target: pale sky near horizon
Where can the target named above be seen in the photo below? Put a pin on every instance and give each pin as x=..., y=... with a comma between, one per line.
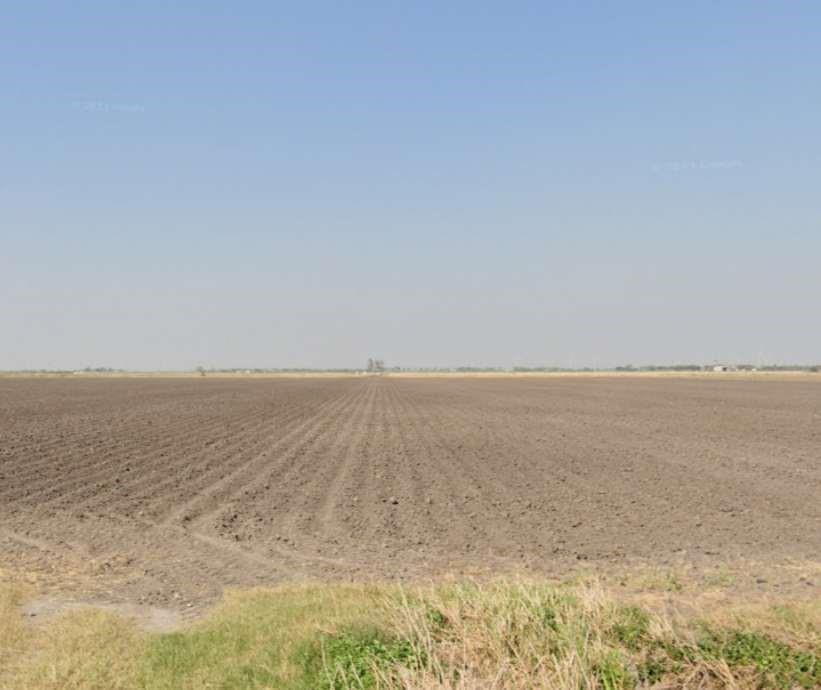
x=273, y=184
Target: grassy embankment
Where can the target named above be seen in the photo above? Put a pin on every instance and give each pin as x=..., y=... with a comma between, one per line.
x=504, y=634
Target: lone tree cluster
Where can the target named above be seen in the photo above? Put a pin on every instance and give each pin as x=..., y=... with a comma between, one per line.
x=375, y=365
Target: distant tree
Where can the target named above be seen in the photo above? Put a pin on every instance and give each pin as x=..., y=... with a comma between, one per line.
x=375, y=366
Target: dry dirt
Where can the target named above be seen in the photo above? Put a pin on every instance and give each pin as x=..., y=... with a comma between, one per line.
x=159, y=493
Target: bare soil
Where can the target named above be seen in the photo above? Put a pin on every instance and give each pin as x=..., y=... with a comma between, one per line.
x=161, y=492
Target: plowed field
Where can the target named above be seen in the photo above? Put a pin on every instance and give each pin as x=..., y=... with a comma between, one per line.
x=163, y=491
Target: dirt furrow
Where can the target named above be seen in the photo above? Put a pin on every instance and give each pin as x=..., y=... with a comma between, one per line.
x=246, y=477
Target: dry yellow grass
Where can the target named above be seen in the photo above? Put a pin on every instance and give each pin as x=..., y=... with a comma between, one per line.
x=520, y=635
x=505, y=634
x=14, y=636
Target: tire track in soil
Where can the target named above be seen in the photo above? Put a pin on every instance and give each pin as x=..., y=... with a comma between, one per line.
x=231, y=548
x=269, y=494
x=199, y=477
x=280, y=474
x=29, y=541
x=49, y=548
x=299, y=481
x=231, y=487
x=364, y=438
x=257, y=492
x=601, y=454
x=288, y=561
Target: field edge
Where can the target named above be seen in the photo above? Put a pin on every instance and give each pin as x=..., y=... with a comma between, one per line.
x=505, y=633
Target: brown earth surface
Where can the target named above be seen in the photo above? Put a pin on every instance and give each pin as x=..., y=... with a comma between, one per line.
x=161, y=492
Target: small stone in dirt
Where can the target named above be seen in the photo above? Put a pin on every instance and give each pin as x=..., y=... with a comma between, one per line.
x=394, y=500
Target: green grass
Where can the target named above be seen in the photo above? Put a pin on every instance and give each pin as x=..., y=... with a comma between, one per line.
x=357, y=657
x=777, y=663
x=502, y=634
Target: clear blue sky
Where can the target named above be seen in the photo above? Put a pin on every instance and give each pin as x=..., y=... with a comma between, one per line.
x=310, y=184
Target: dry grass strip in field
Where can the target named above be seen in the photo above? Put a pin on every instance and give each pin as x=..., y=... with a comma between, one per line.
x=502, y=634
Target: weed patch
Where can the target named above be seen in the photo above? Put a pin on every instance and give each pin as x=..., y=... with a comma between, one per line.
x=355, y=658
x=779, y=664
x=504, y=634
